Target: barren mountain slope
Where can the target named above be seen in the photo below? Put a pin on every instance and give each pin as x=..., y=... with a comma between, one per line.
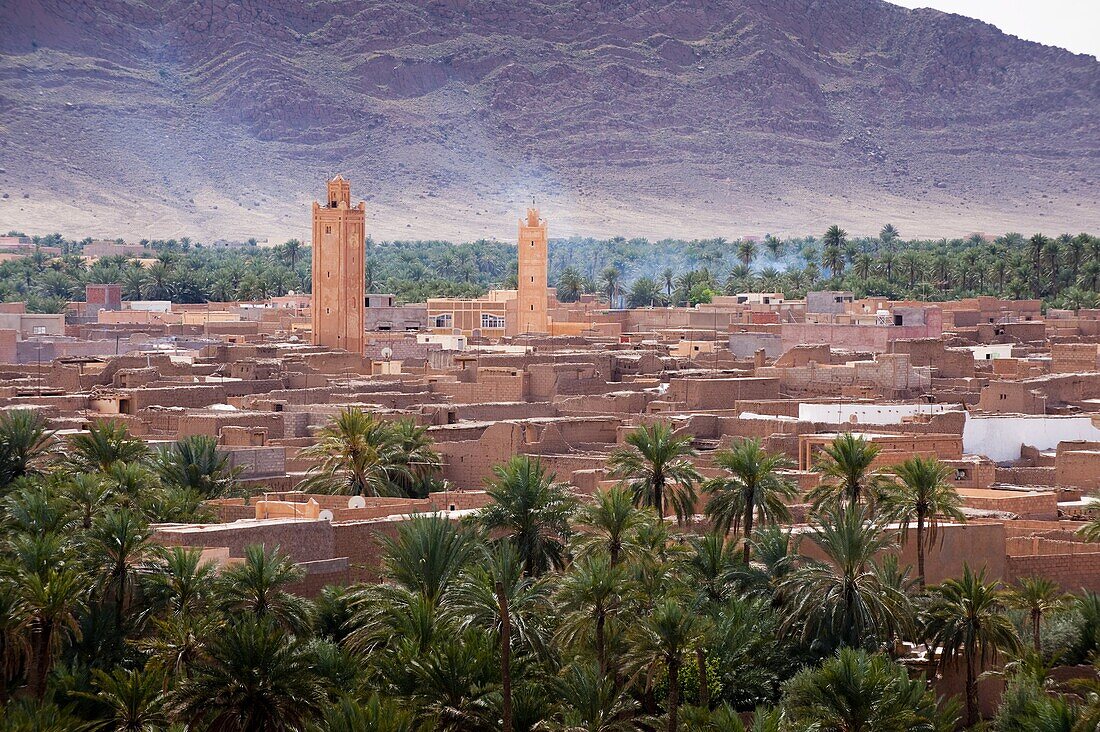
x=213, y=118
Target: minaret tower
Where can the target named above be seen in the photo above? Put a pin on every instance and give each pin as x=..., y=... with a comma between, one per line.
x=533, y=292
x=339, y=269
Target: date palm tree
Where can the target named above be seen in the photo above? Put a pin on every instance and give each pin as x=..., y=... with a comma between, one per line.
x=104, y=444
x=375, y=714
x=357, y=454
x=889, y=235
x=418, y=463
x=654, y=464
x=752, y=488
x=1039, y=597
x=88, y=494
x=848, y=475
x=609, y=523
x=181, y=583
x=121, y=541
x=426, y=555
x=259, y=587
x=195, y=463
x=570, y=285
x=746, y=251
x=832, y=253
x=134, y=701
x=53, y=600
x=499, y=595
x=13, y=631
x=966, y=620
x=611, y=280
x=531, y=509
x=254, y=677
x=661, y=639
x=921, y=496
x=591, y=594
x=846, y=599
x=24, y=444
x=857, y=691
x=592, y=702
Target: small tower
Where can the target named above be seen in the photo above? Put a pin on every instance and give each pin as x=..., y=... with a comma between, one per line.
x=339, y=269
x=532, y=286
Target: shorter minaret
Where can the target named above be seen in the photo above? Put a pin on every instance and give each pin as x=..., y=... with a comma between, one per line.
x=532, y=286
x=339, y=269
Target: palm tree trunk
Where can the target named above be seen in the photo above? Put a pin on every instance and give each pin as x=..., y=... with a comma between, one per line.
x=3, y=670
x=1036, y=619
x=920, y=549
x=704, y=684
x=659, y=497
x=748, y=524
x=971, y=690
x=120, y=595
x=673, y=693
x=40, y=660
x=505, y=658
x=601, y=651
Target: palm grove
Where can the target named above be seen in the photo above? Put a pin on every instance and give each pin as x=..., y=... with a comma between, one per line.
x=544, y=611
x=1063, y=270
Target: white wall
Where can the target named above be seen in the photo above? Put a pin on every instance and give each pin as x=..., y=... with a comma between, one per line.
x=868, y=413
x=990, y=352
x=999, y=437
x=152, y=306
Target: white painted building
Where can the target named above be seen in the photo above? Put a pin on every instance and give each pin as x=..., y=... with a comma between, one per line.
x=992, y=351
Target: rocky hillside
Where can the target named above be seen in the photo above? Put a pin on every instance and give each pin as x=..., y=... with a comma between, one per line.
x=220, y=118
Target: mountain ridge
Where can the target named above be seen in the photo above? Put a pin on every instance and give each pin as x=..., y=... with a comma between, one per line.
x=218, y=119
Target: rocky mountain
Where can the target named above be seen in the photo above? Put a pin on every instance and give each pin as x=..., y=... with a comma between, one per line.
x=221, y=118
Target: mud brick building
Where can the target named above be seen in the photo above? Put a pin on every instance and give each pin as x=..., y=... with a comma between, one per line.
x=1007, y=397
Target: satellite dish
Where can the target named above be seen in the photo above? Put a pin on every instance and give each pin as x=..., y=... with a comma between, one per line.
x=387, y=353
x=357, y=502
x=326, y=515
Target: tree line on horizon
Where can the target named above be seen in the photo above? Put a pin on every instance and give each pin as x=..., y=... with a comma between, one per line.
x=1062, y=271
x=541, y=613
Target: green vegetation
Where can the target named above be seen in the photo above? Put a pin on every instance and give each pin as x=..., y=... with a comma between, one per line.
x=1063, y=271
x=538, y=613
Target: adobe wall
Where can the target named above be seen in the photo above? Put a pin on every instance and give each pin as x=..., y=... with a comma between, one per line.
x=1067, y=358
x=1034, y=506
x=1078, y=464
x=1073, y=570
x=977, y=544
x=720, y=393
x=745, y=344
x=319, y=575
x=953, y=363
x=302, y=540
x=258, y=462
x=618, y=402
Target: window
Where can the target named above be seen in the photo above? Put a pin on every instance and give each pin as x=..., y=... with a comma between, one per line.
x=1004, y=396
x=492, y=321
x=328, y=229
x=897, y=320
x=960, y=474
x=38, y=330
x=444, y=320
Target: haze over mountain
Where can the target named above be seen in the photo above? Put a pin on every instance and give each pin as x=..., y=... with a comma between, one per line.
x=215, y=119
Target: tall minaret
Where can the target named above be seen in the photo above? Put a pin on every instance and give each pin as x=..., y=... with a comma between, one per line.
x=339, y=269
x=533, y=292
